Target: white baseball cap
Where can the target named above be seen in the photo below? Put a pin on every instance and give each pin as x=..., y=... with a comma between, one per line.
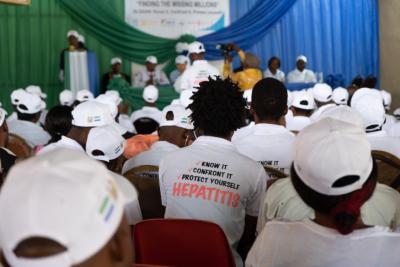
x=303, y=101
x=3, y=115
x=150, y=94
x=152, y=59
x=302, y=58
x=30, y=104
x=181, y=47
x=340, y=96
x=180, y=117
x=34, y=89
x=72, y=33
x=91, y=114
x=358, y=94
x=115, y=96
x=196, y=48
x=84, y=95
x=66, y=98
x=16, y=95
x=247, y=95
x=329, y=150
x=181, y=60
x=116, y=60
x=387, y=99
x=372, y=112
x=342, y=113
x=107, y=141
x=81, y=211
x=109, y=102
x=81, y=38
x=322, y=92
x=185, y=97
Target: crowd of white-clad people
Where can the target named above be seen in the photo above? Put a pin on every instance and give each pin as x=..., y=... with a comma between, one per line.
x=289, y=176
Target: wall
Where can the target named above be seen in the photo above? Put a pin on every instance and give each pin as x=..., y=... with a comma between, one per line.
x=389, y=21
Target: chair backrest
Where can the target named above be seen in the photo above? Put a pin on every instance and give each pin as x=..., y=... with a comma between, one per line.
x=181, y=243
x=145, y=125
x=388, y=168
x=18, y=146
x=145, y=179
x=274, y=174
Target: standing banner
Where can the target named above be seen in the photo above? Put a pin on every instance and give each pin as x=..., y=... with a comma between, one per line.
x=173, y=18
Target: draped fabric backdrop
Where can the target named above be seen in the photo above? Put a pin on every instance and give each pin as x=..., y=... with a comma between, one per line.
x=337, y=36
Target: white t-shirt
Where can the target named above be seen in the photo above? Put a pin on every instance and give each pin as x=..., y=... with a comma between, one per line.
x=271, y=145
x=125, y=122
x=307, y=244
x=146, y=112
x=380, y=140
x=33, y=134
x=298, y=123
x=242, y=132
x=394, y=130
x=282, y=202
x=389, y=121
x=279, y=75
x=211, y=181
x=196, y=73
x=12, y=117
x=159, y=78
x=305, y=76
x=151, y=157
x=132, y=207
x=64, y=142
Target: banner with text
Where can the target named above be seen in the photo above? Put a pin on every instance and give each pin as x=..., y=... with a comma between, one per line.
x=173, y=18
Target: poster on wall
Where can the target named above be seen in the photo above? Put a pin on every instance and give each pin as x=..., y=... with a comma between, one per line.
x=173, y=18
x=16, y=2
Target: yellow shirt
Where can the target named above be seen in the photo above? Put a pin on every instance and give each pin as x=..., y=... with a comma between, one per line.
x=246, y=78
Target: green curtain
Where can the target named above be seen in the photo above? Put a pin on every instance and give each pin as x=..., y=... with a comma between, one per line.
x=32, y=38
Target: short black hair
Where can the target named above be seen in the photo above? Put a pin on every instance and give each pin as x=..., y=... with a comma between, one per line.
x=28, y=117
x=58, y=122
x=272, y=59
x=218, y=107
x=269, y=99
x=370, y=82
x=358, y=81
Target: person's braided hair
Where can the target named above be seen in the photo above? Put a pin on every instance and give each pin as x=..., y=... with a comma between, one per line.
x=218, y=107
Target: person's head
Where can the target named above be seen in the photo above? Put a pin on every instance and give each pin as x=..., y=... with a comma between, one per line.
x=66, y=98
x=72, y=36
x=29, y=107
x=84, y=95
x=175, y=126
x=58, y=122
x=36, y=90
x=150, y=95
x=85, y=116
x=196, y=51
x=251, y=61
x=301, y=62
x=269, y=101
x=303, y=105
x=218, y=108
x=333, y=172
x=181, y=63
x=80, y=222
x=370, y=82
x=105, y=144
x=81, y=41
x=322, y=94
x=274, y=63
x=116, y=64
x=151, y=63
x=387, y=99
x=340, y=96
x=16, y=96
x=3, y=128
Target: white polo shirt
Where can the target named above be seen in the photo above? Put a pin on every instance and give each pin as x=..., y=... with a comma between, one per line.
x=211, y=181
x=305, y=76
x=196, y=73
x=279, y=75
x=283, y=203
x=64, y=142
x=147, y=112
x=159, y=78
x=33, y=134
x=394, y=130
x=271, y=145
x=298, y=123
x=380, y=140
x=152, y=156
x=307, y=244
x=242, y=132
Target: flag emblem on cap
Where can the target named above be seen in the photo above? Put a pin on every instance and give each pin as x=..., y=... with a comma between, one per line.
x=107, y=205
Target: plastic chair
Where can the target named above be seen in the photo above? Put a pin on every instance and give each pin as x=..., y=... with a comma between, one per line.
x=145, y=125
x=149, y=190
x=388, y=168
x=182, y=243
x=18, y=146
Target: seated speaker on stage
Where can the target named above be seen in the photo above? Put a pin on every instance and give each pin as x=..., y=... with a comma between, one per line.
x=251, y=72
x=152, y=75
x=273, y=71
x=181, y=63
x=115, y=72
x=301, y=74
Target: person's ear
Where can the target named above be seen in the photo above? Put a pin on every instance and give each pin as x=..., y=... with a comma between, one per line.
x=120, y=246
x=285, y=111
